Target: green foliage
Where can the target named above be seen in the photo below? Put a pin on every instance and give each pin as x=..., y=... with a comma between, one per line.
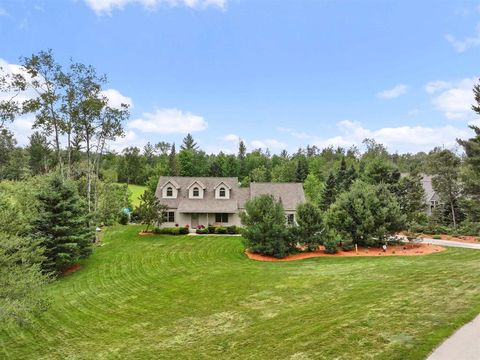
x=202, y=231
x=21, y=279
x=436, y=237
x=308, y=231
x=62, y=225
x=112, y=199
x=331, y=242
x=150, y=211
x=329, y=193
x=177, y=230
x=221, y=230
x=265, y=231
x=367, y=214
x=313, y=188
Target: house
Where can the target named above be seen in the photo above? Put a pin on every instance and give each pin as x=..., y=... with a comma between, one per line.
x=195, y=201
x=432, y=200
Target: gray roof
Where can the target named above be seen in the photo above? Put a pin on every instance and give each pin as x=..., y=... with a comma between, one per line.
x=291, y=194
x=208, y=204
x=430, y=194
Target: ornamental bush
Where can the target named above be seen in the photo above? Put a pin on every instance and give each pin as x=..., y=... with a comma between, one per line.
x=265, y=231
x=366, y=215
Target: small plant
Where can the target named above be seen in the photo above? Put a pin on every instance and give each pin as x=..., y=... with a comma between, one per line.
x=221, y=230
x=211, y=229
x=331, y=241
x=232, y=230
x=201, y=231
x=171, y=230
x=437, y=237
x=124, y=218
x=347, y=246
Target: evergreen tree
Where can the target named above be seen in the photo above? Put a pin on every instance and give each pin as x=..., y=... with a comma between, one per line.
x=7, y=147
x=172, y=162
x=471, y=168
x=329, y=193
x=411, y=198
x=62, y=226
x=39, y=153
x=350, y=178
x=308, y=232
x=242, y=152
x=189, y=143
x=301, y=170
x=342, y=176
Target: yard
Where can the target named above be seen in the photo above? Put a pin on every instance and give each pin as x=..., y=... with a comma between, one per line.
x=136, y=191
x=164, y=297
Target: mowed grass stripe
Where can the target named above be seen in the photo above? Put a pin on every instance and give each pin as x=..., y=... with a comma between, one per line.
x=199, y=297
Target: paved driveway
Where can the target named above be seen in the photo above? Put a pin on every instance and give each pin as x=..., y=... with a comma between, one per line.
x=453, y=244
x=464, y=344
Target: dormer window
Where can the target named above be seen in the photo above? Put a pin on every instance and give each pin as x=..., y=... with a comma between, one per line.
x=196, y=192
x=222, y=191
x=170, y=189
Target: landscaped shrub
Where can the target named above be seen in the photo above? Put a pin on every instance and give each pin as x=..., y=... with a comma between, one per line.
x=171, y=230
x=232, y=230
x=202, y=231
x=265, y=231
x=211, y=229
x=124, y=218
x=367, y=214
x=309, y=229
x=347, y=245
x=436, y=237
x=221, y=230
x=331, y=245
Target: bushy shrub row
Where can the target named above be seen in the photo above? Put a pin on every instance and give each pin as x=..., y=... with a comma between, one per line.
x=171, y=230
x=211, y=229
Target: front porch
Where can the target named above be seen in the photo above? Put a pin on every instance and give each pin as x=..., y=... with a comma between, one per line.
x=217, y=219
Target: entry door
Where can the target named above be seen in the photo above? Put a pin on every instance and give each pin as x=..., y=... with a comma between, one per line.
x=194, y=220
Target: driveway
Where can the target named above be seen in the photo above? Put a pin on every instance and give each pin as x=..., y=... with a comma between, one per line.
x=452, y=244
x=464, y=344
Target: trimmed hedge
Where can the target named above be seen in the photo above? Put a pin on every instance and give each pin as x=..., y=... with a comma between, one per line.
x=171, y=230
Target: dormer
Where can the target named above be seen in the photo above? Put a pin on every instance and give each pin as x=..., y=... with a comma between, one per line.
x=222, y=191
x=196, y=190
x=170, y=190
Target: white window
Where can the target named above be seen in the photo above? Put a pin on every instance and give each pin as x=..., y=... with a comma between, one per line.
x=169, y=216
x=222, y=192
x=169, y=191
x=196, y=192
x=221, y=218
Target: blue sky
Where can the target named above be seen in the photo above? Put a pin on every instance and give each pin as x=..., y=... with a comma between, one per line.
x=278, y=74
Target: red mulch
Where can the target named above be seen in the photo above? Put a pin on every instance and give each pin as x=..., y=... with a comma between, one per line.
x=72, y=269
x=398, y=250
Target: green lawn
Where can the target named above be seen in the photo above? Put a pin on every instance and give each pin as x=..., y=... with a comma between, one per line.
x=136, y=192
x=163, y=297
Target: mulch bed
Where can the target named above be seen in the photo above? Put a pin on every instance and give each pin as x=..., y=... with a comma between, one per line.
x=72, y=269
x=398, y=250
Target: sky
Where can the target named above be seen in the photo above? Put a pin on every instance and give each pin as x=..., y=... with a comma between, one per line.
x=279, y=74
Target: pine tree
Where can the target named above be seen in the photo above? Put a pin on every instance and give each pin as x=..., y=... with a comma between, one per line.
x=301, y=170
x=242, y=152
x=189, y=143
x=62, y=225
x=350, y=177
x=172, y=162
x=341, y=176
x=329, y=192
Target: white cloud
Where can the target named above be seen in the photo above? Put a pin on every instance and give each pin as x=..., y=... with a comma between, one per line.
x=9, y=69
x=106, y=6
x=268, y=144
x=465, y=44
x=402, y=138
x=22, y=129
x=169, y=121
x=3, y=12
x=116, y=99
x=130, y=139
x=393, y=92
x=295, y=134
x=454, y=99
x=434, y=86
x=231, y=138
